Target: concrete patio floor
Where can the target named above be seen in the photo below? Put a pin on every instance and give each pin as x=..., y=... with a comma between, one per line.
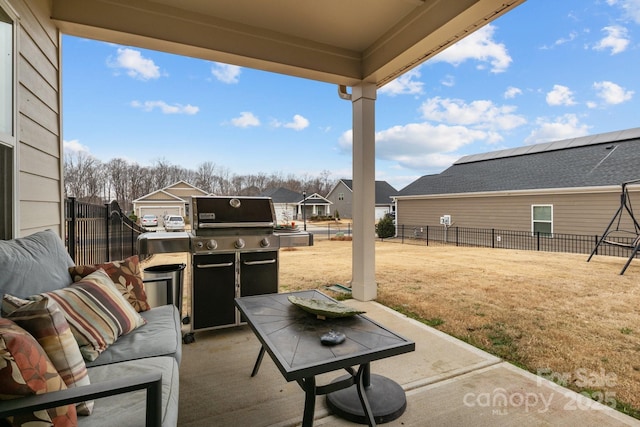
x=447, y=383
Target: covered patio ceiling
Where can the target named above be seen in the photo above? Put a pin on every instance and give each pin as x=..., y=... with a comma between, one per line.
x=345, y=42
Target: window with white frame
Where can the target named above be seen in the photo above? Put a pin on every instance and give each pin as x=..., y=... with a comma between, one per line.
x=542, y=220
x=7, y=121
x=340, y=196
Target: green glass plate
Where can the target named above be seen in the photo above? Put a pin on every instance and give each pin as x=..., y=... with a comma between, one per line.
x=323, y=308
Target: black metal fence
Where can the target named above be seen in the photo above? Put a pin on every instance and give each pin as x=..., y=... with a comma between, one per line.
x=507, y=239
x=99, y=233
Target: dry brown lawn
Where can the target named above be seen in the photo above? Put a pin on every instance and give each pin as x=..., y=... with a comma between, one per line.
x=550, y=313
x=546, y=312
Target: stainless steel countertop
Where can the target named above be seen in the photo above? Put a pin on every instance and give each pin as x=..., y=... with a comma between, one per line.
x=158, y=242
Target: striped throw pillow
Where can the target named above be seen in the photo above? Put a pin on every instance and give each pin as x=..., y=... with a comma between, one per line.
x=96, y=312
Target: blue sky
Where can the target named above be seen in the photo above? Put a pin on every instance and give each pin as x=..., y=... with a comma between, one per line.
x=546, y=71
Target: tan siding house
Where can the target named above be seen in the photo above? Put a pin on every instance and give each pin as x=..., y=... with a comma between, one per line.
x=37, y=132
x=577, y=181
x=171, y=200
x=341, y=196
x=584, y=213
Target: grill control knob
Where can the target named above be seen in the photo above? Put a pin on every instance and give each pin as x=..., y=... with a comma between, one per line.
x=212, y=244
x=199, y=245
x=265, y=243
x=239, y=244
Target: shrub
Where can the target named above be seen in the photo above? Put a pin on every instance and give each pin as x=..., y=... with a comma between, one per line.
x=385, y=227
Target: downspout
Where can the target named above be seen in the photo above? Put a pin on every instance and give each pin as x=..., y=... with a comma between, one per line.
x=343, y=94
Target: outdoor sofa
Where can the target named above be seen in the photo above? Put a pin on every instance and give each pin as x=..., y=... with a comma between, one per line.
x=138, y=372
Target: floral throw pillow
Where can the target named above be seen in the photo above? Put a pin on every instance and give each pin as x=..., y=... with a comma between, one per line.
x=125, y=274
x=26, y=370
x=44, y=320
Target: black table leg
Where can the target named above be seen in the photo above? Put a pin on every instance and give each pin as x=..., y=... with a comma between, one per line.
x=309, y=387
x=363, y=379
x=258, y=362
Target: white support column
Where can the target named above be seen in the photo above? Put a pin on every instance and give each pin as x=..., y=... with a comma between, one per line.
x=363, y=283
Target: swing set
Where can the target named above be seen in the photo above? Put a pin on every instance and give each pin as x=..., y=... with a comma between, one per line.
x=616, y=236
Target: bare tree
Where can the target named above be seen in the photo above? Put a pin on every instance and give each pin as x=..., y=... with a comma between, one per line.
x=223, y=182
x=118, y=173
x=161, y=172
x=90, y=180
x=82, y=176
x=206, y=176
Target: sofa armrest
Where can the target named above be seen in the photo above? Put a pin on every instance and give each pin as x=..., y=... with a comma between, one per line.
x=152, y=382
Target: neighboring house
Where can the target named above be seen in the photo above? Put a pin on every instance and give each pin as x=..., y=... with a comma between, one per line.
x=286, y=204
x=171, y=200
x=571, y=186
x=341, y=195
x=314, y=205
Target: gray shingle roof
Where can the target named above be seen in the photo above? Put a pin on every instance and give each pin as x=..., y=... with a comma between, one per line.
x=282, y=195
x=598, y=160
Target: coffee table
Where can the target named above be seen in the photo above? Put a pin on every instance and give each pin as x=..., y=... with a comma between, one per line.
x=291, y=336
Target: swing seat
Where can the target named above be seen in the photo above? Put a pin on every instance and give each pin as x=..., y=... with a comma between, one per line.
x=618, y=237
x=609, y=240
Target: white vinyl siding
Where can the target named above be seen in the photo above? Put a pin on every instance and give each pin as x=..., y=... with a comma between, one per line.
x=38, y=167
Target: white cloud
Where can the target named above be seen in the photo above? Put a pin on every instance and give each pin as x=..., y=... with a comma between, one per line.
x=572, y=36
x=612, y=93
x=481, y=114
x=420, y=145
x=563, y=127
x=512, y=92
x=135, y=64
x=226, y=73
x=75, y=146
x=406, y=84
x=617, y=39
x=479, y=46
x=631, y=8
x=166, y=108
x=245, y=120
x=448, y=81
x=560, y=95
x=298, y=123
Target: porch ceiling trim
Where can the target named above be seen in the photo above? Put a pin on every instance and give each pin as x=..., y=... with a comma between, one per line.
x=426, y=28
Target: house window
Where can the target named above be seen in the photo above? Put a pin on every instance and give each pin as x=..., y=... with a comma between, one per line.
x=340, y=196
x=542, y=219
x=7, y=122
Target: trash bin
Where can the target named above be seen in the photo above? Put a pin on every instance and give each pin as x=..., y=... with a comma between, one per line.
x=163, y=285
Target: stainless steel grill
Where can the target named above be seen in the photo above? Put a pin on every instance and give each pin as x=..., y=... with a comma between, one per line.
x=234, y=252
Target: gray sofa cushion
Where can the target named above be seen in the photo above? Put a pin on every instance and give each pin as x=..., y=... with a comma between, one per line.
x=33, y=264
x=128, y=409
x=161, y=336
